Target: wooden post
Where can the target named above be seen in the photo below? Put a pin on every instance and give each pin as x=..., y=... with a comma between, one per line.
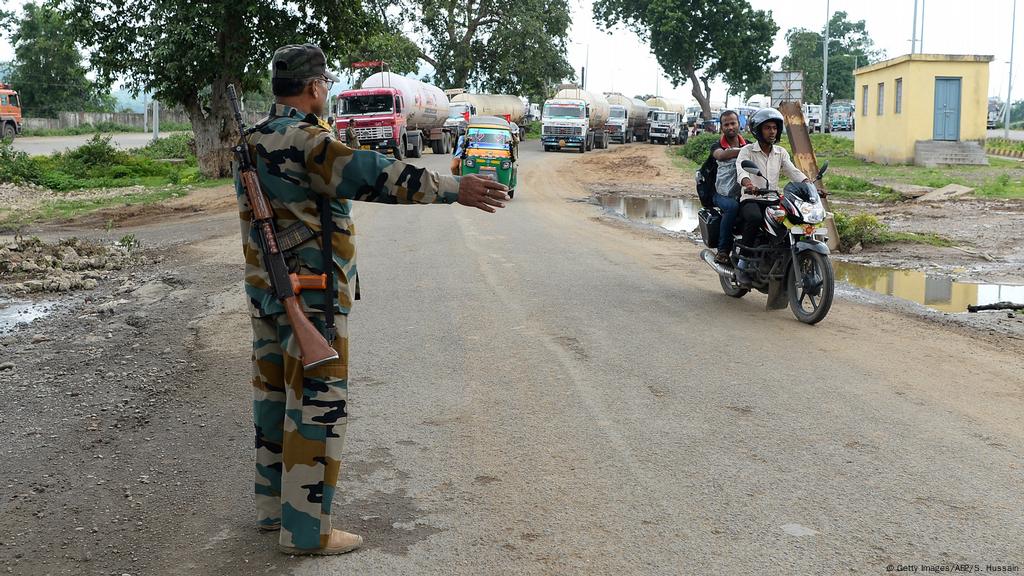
x=803, y=157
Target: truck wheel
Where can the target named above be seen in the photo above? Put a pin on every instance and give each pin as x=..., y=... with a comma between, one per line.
x=583, y=148
x=8, y=133
x=437, y=146
x=417, y=150
x=399, y=151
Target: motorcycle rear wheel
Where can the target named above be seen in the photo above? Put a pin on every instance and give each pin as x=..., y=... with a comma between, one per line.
x=817, y=287
x=731, y=288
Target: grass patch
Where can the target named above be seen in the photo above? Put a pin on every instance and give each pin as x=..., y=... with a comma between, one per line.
x=867, y=230
x=63, y=209
x=533, y=131
x=104, y=127
x=852, y=188
x=675, y=155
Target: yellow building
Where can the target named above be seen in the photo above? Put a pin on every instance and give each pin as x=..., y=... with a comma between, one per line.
x=922, y=108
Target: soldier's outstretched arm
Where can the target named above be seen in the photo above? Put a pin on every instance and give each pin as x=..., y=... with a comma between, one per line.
x=338, y=171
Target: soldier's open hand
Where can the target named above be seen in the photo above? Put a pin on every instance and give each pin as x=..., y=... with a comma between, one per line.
x=482, y=193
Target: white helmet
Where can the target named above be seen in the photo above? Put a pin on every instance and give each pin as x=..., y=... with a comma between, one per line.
x=766, y=115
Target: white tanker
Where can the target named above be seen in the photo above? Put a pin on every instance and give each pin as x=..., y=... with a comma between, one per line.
x=397, y=114
x=574, y=118
x=627, y=119
x=500, y=105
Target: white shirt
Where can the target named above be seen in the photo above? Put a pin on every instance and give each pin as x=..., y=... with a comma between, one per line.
x=771, y=166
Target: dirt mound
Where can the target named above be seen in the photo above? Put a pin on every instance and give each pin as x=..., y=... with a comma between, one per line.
x=201, y=200
x=628, y=163
x=32, y=265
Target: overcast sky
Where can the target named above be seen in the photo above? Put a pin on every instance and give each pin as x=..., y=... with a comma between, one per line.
x=620, y=62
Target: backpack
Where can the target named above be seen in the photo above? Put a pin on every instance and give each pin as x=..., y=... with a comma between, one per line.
x=706, y=177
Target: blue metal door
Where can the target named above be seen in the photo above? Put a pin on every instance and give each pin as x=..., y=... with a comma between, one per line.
x=947, y=109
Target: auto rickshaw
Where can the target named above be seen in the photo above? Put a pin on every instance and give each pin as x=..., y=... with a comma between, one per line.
x=489, y=149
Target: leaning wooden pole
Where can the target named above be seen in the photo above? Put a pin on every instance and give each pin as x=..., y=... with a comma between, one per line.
x=803, y=156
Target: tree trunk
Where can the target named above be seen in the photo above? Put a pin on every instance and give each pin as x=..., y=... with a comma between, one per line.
x=702, y=98
x=215, y=131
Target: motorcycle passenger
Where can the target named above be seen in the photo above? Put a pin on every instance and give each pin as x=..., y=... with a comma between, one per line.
x=728, y=190
x=772, y=161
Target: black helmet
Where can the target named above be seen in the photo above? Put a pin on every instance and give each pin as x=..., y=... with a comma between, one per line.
x=766, y=115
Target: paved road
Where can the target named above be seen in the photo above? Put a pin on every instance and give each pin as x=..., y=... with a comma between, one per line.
x=543, y=391
x=41, y=145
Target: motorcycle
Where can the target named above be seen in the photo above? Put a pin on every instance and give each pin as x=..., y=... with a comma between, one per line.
x=790, y=261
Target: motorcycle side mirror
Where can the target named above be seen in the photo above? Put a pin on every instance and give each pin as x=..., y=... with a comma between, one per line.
x=821, y=172
x=751, y=167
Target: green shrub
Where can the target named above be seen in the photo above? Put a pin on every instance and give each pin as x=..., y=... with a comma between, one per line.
x=16, y=166
x=177, y=146
x=865, y=229
x=697, y=148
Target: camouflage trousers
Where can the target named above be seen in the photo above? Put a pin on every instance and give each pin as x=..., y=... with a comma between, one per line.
x=300, y=419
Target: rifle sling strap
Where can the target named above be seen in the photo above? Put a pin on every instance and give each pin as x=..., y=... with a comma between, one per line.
x=327, y=256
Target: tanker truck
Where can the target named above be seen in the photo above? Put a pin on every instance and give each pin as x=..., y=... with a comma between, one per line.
x=396, y=114
x=500, y=105
x=627, y=119
x=574, y=118
x=668, y=124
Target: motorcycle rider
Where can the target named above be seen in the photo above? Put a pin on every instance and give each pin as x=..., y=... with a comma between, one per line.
x=728, y=190
x=772, y=161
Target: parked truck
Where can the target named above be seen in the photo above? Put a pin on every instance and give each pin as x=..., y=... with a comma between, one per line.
x=574, y=118
x=668, y=127
x=10, y=113
x=627, y=119
x=995, y=112
x=841, y=115
x=504, y=106
x=812, y=116
x=396, y=114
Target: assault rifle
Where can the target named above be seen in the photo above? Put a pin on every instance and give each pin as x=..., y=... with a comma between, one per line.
x=313, y=347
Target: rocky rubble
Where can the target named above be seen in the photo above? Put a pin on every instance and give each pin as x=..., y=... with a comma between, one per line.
x=30, y=265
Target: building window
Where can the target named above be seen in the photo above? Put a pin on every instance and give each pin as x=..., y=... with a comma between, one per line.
x=881, y=98
x=864, y=103
x=899, y=95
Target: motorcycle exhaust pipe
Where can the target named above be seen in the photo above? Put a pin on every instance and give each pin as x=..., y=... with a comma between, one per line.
x=709, y=258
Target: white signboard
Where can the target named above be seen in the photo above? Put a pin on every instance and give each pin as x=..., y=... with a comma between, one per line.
x=787, y=86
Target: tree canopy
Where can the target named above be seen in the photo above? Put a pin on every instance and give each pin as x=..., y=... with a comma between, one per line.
x=849, y=46
x=697, y=41
x=510, y=46
x=187, y=53
x=47, y=70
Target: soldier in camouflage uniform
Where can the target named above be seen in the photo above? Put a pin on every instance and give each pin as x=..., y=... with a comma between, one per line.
x=300, y=415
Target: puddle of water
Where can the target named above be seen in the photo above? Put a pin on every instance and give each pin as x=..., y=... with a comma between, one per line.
x=937, y=292
x=675, y=214
x=13, y=313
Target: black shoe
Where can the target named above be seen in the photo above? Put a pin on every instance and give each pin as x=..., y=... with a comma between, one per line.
x=743, y=279
x=723, y=258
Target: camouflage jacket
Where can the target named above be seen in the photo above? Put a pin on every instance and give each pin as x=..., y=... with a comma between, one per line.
x=298, y=163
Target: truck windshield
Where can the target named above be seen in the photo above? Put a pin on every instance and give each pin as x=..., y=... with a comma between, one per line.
x=563, y=111
x=664, y=117
x=618, y=113
x=457, y=110
x=373, y=104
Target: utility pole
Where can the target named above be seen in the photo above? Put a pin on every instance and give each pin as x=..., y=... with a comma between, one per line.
x=913, y=36
x=824, y=76
x=145, y=112
x=156, y=120
x=920, y=45
x=1009, y=84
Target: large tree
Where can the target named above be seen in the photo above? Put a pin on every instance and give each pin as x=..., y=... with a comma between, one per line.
x=849, y=46
x=697, y=41
x=513, y=46
x=188, y=52
x=47, y=69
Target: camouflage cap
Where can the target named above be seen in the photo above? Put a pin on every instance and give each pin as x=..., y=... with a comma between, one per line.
x=299, y=62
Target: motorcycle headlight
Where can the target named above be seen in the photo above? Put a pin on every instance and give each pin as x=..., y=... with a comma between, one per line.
x=469, y=163
x=812, y=212
x=506, y=165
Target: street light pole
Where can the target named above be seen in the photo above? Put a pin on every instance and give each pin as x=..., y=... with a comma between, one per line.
x=824, y=79
x=1009, y=84
x=920, y=45
x=913, y=35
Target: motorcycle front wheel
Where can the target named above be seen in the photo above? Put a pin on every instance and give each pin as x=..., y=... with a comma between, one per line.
x=810, y=296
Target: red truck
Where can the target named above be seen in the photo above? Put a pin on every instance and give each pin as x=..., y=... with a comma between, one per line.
x=10, y=113
x=396, y=114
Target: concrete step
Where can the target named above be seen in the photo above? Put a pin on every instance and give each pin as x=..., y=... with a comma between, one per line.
x=933, y=153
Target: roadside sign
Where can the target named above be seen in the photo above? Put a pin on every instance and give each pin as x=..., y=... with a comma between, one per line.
x=787, y=86
x=368, y=64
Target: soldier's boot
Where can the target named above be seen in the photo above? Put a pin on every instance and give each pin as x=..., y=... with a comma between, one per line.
x=339, y=543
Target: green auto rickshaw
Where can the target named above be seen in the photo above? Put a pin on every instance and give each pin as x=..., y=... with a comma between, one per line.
x=489, y=149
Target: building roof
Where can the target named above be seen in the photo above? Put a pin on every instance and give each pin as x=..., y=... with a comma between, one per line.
x=979, y=58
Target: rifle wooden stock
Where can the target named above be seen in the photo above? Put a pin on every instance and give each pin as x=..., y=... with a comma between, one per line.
x=314, y=349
